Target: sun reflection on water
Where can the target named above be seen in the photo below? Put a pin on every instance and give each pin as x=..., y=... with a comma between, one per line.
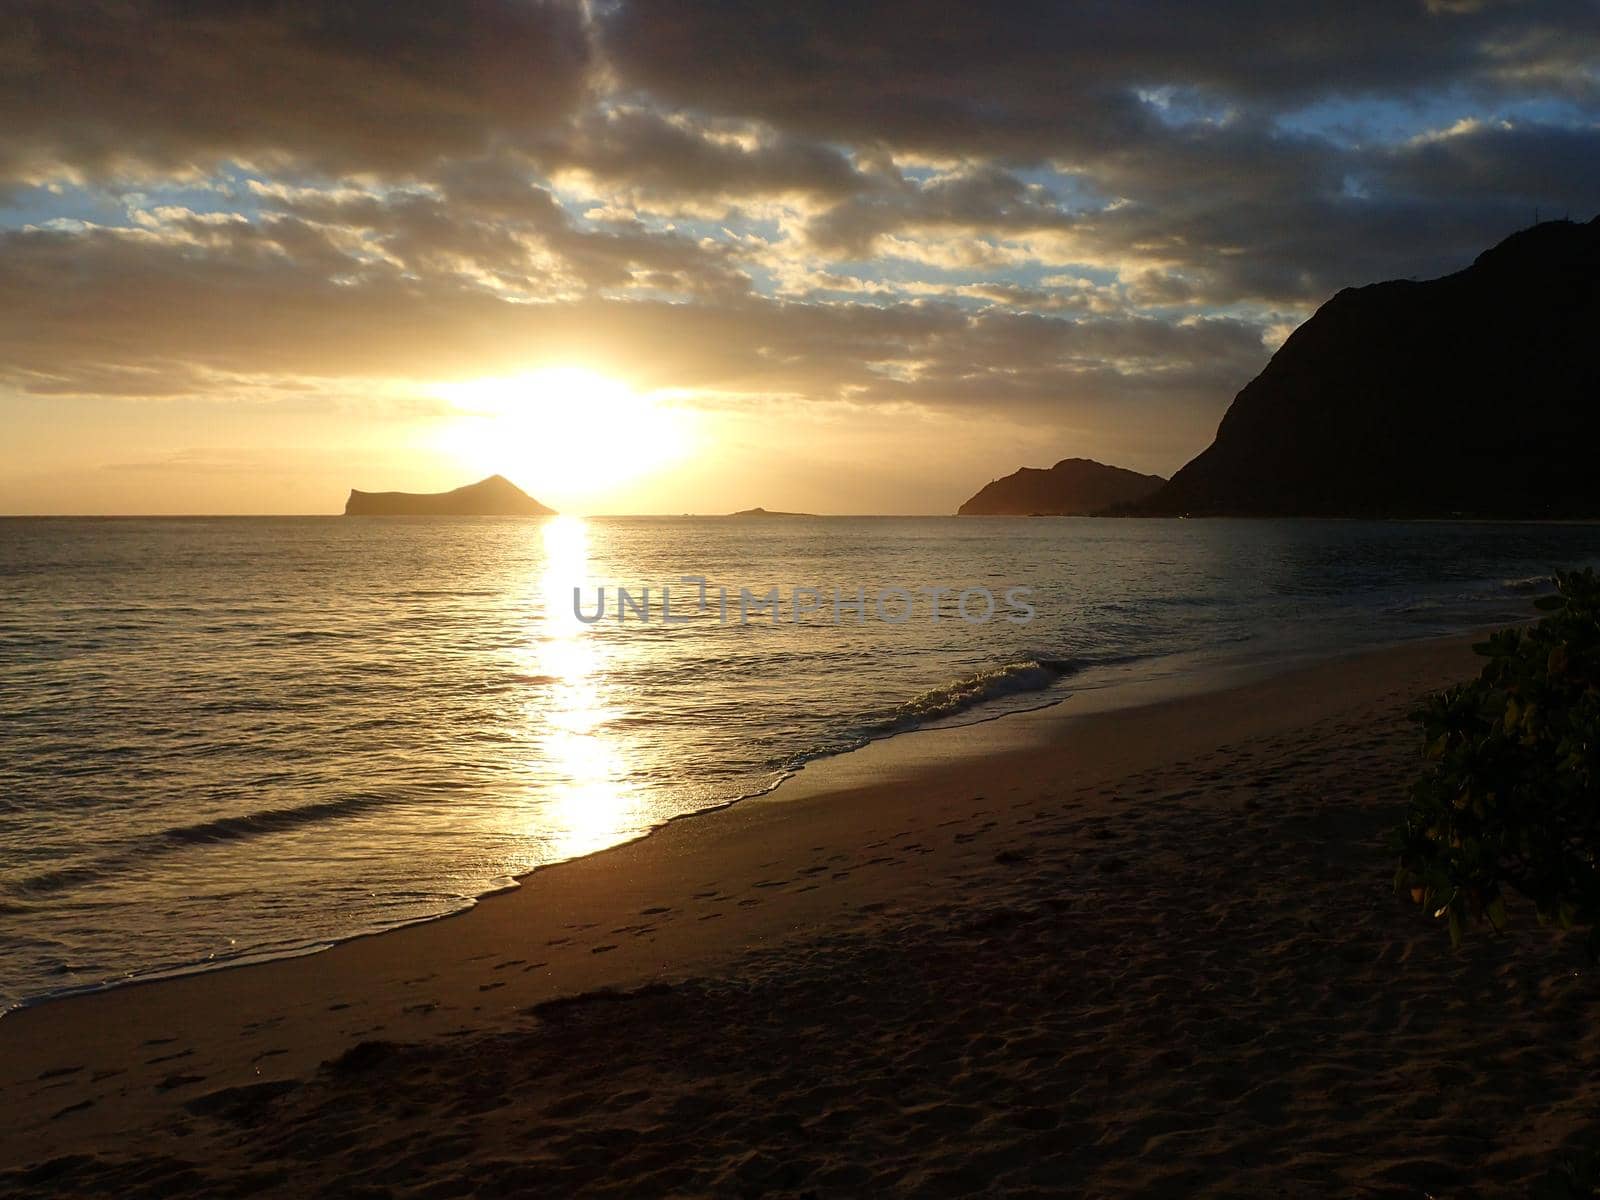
x=590, y=802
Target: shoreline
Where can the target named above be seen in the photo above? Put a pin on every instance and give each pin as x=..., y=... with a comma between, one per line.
x=689, y=901
x=1033, y=725
x=1154, y=952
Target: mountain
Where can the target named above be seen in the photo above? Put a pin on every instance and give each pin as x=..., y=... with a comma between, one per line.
x=495, y=496
x=1073, y=487
x=1477, y=394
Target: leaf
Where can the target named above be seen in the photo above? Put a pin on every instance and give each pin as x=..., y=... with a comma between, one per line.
x=1505, y=799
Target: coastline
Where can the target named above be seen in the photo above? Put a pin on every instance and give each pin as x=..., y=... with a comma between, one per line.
x=84, y=918
x=878, y=757
x=755, y=891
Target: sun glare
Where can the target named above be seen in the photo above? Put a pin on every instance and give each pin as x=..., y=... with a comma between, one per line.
x=589, y=801
x=563, y=432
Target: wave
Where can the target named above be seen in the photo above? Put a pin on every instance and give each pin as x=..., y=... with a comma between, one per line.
x=219, y=829
x=1533, y=583
x=270, y=820
x=318, y=635
x=947, y=700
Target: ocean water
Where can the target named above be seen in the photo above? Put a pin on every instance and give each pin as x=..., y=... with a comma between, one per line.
x=223, y=739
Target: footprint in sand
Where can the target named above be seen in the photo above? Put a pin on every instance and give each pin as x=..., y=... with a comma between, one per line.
x=177, y=1081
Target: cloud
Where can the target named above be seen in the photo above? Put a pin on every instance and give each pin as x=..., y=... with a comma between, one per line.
x=193, y=460
x=114, y=86
x=1067, y=216
x=1035, y=80
x=1525, y=163
x=140, y=313
x=638, y=151
x=488, y=224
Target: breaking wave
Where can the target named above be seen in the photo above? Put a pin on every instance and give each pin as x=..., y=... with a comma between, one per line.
x=950, y=699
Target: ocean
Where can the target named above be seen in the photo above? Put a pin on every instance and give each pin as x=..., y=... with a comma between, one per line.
x=236, y=738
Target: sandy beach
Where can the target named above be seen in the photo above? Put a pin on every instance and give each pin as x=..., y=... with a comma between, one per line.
x=1155, y=952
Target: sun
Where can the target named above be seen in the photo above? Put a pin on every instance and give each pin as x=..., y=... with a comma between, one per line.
x=566, y=432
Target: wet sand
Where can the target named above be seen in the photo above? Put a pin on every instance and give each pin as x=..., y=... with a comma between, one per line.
x=1143, y=952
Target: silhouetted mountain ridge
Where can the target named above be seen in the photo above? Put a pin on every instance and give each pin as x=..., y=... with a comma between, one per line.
x=1073, y=487
x=1474, y=394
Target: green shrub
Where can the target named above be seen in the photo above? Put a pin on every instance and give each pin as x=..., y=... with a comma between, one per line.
x=1510, y=798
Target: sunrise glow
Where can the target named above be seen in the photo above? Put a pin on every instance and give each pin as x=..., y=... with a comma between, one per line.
x=576, y=432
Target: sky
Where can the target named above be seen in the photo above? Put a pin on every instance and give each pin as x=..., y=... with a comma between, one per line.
x=701, y=255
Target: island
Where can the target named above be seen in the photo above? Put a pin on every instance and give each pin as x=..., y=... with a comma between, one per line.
x=1473, y=395
x=495, y=496
x=762, y=512
x=1073, y=487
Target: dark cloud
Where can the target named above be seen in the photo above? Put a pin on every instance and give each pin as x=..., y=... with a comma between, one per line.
x=644, y=152
x=1223, y=215
x=1040, y=79
x=1554, y=168
x=1296, y=251
x=1167, y=120
x=984, y=198
x=357, y=85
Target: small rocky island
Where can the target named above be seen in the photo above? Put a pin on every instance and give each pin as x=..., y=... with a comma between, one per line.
x=762, y=512
x=1074, y=487
x=495, y=496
